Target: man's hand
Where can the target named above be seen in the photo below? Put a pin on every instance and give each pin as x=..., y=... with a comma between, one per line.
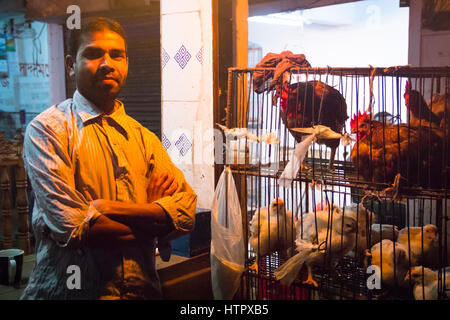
x=161, y=186
x=107, y=233
x=101, y=205
x=150, y=218
x=142, y=219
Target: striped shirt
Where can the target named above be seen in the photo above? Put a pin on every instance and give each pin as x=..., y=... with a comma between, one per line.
x=74, y=154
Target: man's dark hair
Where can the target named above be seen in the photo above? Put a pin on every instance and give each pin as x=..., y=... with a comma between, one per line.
x=91, y=25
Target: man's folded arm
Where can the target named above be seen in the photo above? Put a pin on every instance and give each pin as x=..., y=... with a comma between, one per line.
x=149, y=218
x=180, y=206
x=168, y=216
x=105, y=232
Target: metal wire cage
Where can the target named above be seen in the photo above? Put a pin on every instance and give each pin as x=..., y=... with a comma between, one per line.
x=395, y=168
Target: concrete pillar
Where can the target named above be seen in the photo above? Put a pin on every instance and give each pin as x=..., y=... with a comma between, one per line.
x=187, y=92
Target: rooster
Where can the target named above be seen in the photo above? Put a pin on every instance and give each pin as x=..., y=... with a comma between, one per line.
x=435, y=115
x=305, y=104
x=272, y=229
x=441, y=108
x=382, y=152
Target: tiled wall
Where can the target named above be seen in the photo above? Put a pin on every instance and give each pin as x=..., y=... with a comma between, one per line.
x=187, y=101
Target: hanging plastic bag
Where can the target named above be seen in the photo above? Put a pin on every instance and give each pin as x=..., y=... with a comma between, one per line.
x=227, y=240
x=297, y=157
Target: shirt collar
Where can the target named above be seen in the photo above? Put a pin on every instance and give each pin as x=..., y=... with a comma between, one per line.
x=87, y=110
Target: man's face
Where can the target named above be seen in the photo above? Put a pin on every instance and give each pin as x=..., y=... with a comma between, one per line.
x=101, y=65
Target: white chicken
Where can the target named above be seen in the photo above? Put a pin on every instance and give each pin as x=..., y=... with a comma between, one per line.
x=306, y=225
x=426, y=283
x=379, y=232
x=428, y=255
x=391, y=258
x=272, y=229
x=365, y=218
x=319, y=237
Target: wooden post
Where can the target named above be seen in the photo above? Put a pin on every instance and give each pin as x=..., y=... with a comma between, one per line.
x=22, y=196
x=5, y=193
x=22, y=208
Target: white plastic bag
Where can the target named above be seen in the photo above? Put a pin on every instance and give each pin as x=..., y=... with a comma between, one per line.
x=297, y=157
x=227, y=240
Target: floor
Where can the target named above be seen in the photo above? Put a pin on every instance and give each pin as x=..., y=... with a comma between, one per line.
x=176, y=275
x=11, y=293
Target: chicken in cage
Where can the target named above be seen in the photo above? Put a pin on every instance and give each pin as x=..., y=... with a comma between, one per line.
x=414, y=150
x=376, y=226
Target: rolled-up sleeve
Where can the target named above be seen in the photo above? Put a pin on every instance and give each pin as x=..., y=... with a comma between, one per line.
x=65, y=212
x=180, y=207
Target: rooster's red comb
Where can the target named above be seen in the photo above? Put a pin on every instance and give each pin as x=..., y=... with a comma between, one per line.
x=358, y=118
x=407, y=86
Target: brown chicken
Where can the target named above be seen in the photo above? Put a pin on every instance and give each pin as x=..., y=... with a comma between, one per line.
x=381, y=152
x=435, y=114
x=440, y=104
x=305, y=104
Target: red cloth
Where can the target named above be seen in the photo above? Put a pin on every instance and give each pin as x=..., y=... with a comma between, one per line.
x=281, y=62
